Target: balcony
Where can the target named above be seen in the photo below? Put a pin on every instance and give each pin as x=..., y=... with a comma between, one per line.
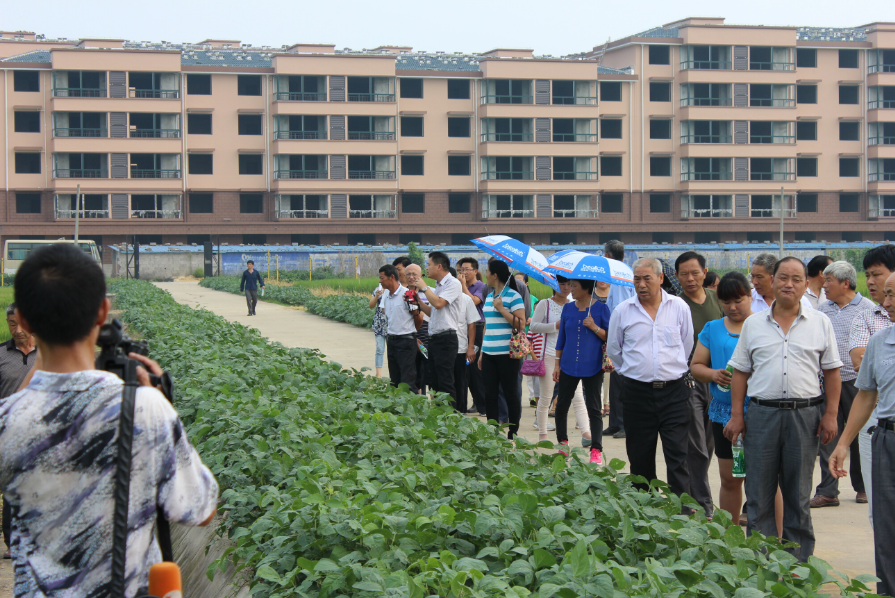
x=300, y=135
x=709, y=213
x=507, y=175
x=759, y=139
x=506, y=99
x=81, y=132
x=706, y=206
x=882, y=176
x=301, y=206
x=300, y=88
x=881, y=206
x=706, y=139
x=371, y=97
x=508, y=206
x=371, y=206
x=706, y=175
x=574, y=176
x=154, y=173
x=763, y=58
x=882, y=141
x=155, y=133
x=706, y=94
x=772, y=102
x=574, y=100
x=164, y=94
x=302, y=174
x=289, y=214
x=876, y=104
x=881, y=61
x=573, y=213
x=78, y=92
x=163, y=86
x=771, y=176
x=81, y=173
x=371, y=135
x=371, y=174
x=706, y=58
x=301, y=96
x=706, y=65
x=66, y=214
x=575, y=137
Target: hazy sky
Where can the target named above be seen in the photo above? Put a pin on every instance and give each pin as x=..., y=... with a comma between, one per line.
x=554, y=27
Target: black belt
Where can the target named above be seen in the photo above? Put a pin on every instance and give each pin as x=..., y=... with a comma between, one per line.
x=443, y=333
x=790, y=404
x=408, y=335
x=886, y=424
x=657, y=384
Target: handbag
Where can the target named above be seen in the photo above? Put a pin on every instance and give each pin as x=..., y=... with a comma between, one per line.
x=520, y=346
x=536, y=366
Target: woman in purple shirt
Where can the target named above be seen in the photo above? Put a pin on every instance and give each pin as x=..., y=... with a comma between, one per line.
x=579, y=358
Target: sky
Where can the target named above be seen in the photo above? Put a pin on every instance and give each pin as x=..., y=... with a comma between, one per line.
x=555, y=27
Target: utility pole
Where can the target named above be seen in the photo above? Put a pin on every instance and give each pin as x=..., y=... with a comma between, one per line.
x=77, y=211
x=782, y=212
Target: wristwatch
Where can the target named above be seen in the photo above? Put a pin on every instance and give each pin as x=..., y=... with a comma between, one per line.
x=424, y=290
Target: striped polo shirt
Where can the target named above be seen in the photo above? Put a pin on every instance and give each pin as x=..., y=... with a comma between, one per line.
x=497, y=330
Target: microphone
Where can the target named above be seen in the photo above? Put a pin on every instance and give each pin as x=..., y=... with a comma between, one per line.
x=164, y=580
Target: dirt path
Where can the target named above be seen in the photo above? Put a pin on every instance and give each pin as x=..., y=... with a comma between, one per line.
x=844, y=537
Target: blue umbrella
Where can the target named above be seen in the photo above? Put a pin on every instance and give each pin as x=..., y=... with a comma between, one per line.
x=519, y=256
x=585, y=266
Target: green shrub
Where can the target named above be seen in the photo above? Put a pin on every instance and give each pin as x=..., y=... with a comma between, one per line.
x=199, y=273
x=336, y=484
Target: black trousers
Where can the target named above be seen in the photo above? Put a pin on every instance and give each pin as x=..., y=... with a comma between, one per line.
x=499, y=371
x=829, y=486
x=616, y=415
x=401, y=352
x=649, y=413
x=593, y=386
x=442, y=355
x=474, y=374
x=460, y=382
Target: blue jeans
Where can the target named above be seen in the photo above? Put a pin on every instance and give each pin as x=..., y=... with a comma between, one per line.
x=380, y=349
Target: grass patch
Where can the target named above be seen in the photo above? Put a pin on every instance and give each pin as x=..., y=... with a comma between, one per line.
x=6, y=297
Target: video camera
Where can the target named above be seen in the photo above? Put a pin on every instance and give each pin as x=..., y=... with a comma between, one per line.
x=115, y=346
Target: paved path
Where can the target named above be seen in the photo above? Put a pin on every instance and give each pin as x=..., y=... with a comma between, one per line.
x=844, y=537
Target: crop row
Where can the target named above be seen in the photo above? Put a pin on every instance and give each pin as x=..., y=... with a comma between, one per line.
x=336, y=484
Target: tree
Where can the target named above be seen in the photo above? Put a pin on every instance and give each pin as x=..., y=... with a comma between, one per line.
x=416, y=256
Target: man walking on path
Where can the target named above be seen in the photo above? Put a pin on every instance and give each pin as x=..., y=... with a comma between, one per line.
x=815, y=293
x=401, y=338
x=615, y=250
x=650, y=340
x=474, y=289
x=876, y=381
x=704, y=307
x=842, y=305
x=778, y=360
x=251, y=280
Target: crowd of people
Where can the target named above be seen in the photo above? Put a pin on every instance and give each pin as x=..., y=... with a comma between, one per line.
x=771, y=363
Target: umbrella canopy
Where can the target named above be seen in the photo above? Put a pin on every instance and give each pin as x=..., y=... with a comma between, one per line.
x=584, y=266
x=519, y=256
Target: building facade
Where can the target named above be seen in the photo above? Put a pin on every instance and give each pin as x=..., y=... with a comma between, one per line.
x=695, y=131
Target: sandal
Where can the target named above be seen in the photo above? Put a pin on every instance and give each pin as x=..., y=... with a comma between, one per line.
x=552, y=412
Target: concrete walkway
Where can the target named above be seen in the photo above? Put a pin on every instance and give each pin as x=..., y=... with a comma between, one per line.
x=844, y=537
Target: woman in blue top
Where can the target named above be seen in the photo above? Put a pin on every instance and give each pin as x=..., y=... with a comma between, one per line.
x=579, y=357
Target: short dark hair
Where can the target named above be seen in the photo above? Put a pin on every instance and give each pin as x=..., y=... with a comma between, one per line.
x=468, y=260
x=59, y=291
x=733, y=285
x=586, y=284
x=818, y=264
x=686, y=257
x=389, y=271
x=790, y=258
x=401, y=261
x=453, y=271
x=710, y=277
x=561, y=279
x=440, y=258
x=884, y=255
x=614, y=249
x=250, y=262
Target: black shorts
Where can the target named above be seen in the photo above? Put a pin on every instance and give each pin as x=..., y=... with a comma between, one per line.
x=723, y=448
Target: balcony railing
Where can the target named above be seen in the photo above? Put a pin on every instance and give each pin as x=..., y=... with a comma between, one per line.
x=575, y=213
x=771, y=66
x=371, y=97
x=881, y=68
x=508, y=137
x=882, y=104
x=772, y=139
x=301, y=96
x=80, y=132
x=887, y=212
x=164, y=94
x=78, y=92
x=771, y=176
x=302, y=174
x=81, y=173
x=300, y=135
x=171, y=214
x=156, y=133
x=580, y=137
x=706, y=65
x=772, y=102
x=575, y=100
x=507, y=99
x=371, y=174
x=302, y=214
x=882, y=176
x=771, y=213
x=574, y=176
x=706, y=101
x=509, y=214
x=371, y=213
x=63, y=214
x=706, y=176
x=507, y=175
x=882, y=140
x=154, y=173
x=371, y=135
x=706, y=139
x=708, y=213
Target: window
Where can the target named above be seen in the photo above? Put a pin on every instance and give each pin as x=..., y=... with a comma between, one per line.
x=411, y=126
x=706, y=206
x=806, y=130
x=706, y=169
x=27, y=122
x=461, y=239
x=573, y=169
x=198, y=239
x=458, y=126
x=250, y=124
x=26, y=81
x=362, y=239
x=458, y=89
x=659, y=91
x=806, y=94
x=563, y=238
x=848, y=59
x=459, y=166
x=405, y=238
x=611, y=91
x=27, y=163
x=806, y=166
x=248, y=85
x=198, y=124
x=659, y=129
x=849, y=202
x=411, y=88
x=660, y=54
x=660, y=166
x=413, y=203
x=611, y=203
x=849, y=131
x=198, y=85
x=200, y=163
x=848, y=94
x=770, y=169
x=201, y=203
x=806, y=58
x=663, y=238
x=251, y=203
x=573, y=206
x=251, y=164
x=458, y=203
x=254, y=239
x=849, y=167
x=412, y=165
x=706, y=237
x=660, y=203
x=705, y=57
x=304, y=239
x=611, y=128
x=27, y=203
x=807, y=202
x=851, y=236
x=611, y=166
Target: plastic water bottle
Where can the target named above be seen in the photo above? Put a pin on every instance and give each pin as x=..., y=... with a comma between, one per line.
x=262, y=291
x=726, y=387
x=424, y=351
x=739, y=458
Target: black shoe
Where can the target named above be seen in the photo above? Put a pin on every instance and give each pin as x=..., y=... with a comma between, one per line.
x=611, y=431
x=620, y=434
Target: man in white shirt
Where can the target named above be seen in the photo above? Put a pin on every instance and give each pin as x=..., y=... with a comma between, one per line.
x=401, y=338
x=650, y=340
x=815, y=293
x=762, y=283
x=777, y=362
x=469, y=316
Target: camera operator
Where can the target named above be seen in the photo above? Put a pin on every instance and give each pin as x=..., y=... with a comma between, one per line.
x=58, y=444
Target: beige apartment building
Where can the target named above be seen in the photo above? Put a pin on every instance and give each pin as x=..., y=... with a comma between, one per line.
x=695, y=131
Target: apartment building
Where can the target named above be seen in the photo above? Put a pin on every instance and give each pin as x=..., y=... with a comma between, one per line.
x=695, y=131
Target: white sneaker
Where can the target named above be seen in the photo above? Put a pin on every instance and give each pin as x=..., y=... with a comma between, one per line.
x=550, y=426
